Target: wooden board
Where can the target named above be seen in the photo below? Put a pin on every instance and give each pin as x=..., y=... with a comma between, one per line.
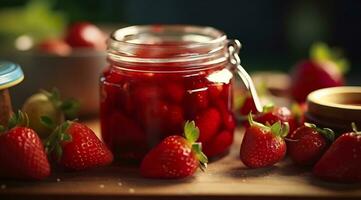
x=226, y=178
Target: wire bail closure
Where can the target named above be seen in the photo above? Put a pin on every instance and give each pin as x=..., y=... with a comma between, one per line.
x=234, y=47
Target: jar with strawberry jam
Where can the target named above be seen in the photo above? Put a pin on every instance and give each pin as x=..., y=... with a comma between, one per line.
x=158, y=77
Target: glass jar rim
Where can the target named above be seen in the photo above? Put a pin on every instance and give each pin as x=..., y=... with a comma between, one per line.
x=196, y=43
x=121, y=34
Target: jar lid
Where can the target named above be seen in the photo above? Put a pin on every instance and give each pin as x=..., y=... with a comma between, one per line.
x=10, y=74
x=335, y=107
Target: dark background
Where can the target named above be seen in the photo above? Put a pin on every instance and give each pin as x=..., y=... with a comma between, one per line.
x=275, y=33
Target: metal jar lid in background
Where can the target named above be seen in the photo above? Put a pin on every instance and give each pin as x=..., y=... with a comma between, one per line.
x=10, y=75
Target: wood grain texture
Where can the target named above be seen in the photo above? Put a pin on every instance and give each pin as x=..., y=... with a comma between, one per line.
x=226, y=178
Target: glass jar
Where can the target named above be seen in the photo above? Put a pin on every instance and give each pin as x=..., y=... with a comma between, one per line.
x=158, y=77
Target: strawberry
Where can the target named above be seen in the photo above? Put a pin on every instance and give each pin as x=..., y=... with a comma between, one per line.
x=244, y=102
x=308, y=143
x=263, y=145
x=324, y=69
x=174, y=91
x=342, y=161
x=197, y=97
x=85, y=35
x=247, y=106
x=215, y=90
x=208, y=123
x=176, y=156
x=229, y=121
x=175, y=118
x=144, y=94
x=22, y=154
x=113, y=76
x=121, y=134
x=219, y=144
x=271, y=114
x=228, y=118
x=154, y=116
x=77, y=147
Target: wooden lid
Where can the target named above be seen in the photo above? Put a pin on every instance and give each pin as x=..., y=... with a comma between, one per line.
x=336, y=106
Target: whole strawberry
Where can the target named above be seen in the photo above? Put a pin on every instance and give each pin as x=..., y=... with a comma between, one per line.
x=175, y=156
x=22, y=154
x=342, y=161
x=324, y=69
x=77, y=147
x=263, y=145
x=208, y=123
x=308, y=143
x=272, y=114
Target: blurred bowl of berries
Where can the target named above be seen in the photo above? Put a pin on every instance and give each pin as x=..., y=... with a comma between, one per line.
x=71, y=63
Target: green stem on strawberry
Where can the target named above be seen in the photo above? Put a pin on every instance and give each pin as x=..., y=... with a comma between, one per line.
x=280, y=129
x=69, y=107
x=268, y=107
x=326, y=132
x=254, y=123
x=59, y=135
x=191, y=133
x=17, y=119
x=321, y=52
x=47, y=122
x=354, y=128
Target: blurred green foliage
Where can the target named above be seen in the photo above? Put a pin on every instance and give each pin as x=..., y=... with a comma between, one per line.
x=36, y=19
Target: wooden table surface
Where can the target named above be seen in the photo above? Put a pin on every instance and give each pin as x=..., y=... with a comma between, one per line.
x=226, y=178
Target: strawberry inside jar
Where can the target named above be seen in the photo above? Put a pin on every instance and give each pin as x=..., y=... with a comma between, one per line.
x=160, y=76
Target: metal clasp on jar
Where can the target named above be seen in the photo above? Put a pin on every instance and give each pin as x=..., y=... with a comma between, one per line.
x=234, y=47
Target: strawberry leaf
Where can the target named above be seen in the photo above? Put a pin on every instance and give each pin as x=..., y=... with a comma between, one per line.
x=55, y=139
x=280, y=129
x=203, y=160
x=321, y=52
x=18, y=119
x=329, y=134
x=276, y=128
x=69, y=107
x=191, y=131
x=254, y=123
x=65, y=137
x=47, y=122
x=268, y=107
x=285, y=129
x=326, y=132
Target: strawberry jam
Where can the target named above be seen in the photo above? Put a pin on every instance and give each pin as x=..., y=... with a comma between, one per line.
x=157, y=79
